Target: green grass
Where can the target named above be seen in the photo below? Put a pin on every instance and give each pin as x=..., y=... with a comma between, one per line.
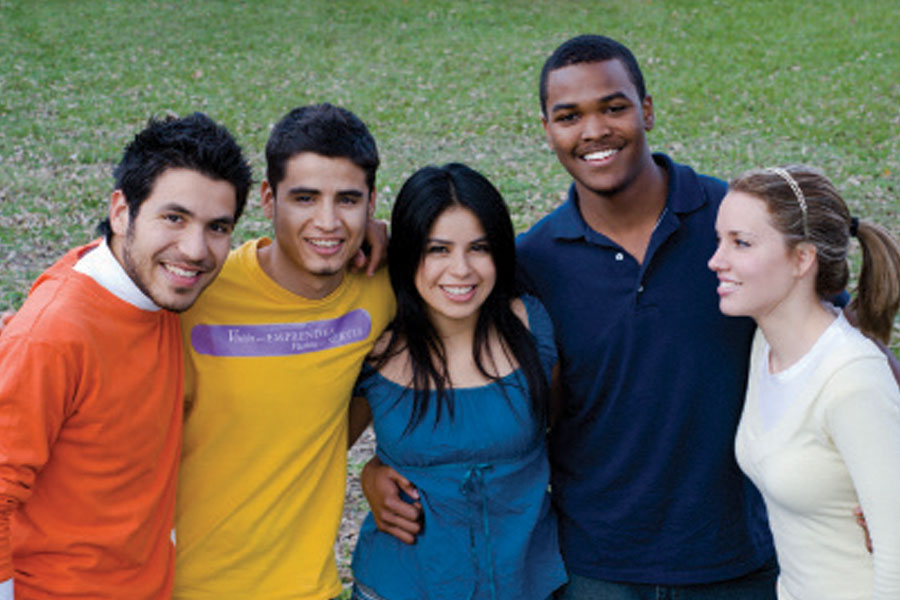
x=735, y=85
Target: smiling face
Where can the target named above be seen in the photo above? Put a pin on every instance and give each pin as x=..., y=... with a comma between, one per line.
x=596, y=124
x=456, y=273
x=178, y=241
x=757, y=271
x=319, y=211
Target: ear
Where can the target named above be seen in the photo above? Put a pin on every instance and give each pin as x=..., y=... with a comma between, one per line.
x=118, y=213
x=647, y=109
x=546, y=123
x=267, y=199
x=372, y=201
x=804, y=257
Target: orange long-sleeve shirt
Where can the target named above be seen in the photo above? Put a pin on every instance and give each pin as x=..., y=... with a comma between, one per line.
x=90, y=433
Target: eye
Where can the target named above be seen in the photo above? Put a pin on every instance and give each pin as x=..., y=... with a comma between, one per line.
x=565, y=117
x=617, y=108
x=436, y=249
x=741, y=243
x=481, y=247
x=349, y=200
x=302, y=198
x=173, y=217
x=224, y=228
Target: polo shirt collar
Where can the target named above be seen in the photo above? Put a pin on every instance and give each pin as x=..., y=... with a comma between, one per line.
x=680, y=199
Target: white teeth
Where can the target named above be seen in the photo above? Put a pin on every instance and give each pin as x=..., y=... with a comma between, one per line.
x=600, y=155
x=728, y=285
x=458, y=290
x=181, y=272
x=325, y=243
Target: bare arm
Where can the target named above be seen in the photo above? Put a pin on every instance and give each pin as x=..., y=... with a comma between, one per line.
x=6, y=317
x=376, y=241
x=360, y=415
x=382, y=486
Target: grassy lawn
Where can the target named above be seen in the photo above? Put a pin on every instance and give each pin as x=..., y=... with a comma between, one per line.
x=735, y=84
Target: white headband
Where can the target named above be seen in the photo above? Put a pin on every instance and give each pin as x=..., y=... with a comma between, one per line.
x=801, y=199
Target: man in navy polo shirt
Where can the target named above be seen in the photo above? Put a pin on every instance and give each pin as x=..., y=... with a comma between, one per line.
x=644, y=478
x=650, y=500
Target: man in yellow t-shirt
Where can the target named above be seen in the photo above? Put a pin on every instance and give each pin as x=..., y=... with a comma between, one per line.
x=273, y=349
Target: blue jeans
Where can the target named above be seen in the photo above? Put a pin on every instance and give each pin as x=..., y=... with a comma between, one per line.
x=758, y=585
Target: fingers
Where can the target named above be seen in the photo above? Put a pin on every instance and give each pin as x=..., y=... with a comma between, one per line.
x=359, y=260
x=5, y=317
x=861, y=521
x=384, y=489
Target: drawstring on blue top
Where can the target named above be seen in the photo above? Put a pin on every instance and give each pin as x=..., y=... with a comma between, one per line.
x=473, y=483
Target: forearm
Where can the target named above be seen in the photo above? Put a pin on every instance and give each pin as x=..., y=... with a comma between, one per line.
x=359, y=417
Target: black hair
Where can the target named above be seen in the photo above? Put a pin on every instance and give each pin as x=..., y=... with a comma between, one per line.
x=424, y=197
x=194, y=142
x=590, y=49
x=322, y=129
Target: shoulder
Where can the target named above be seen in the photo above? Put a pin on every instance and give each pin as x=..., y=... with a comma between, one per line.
x=542, y=232
x=531, y=312
x=855, y=372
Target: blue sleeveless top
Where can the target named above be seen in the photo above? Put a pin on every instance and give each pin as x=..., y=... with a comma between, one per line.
x=482, y=475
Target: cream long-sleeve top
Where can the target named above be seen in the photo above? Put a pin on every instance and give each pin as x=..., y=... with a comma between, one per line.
x=817, y=439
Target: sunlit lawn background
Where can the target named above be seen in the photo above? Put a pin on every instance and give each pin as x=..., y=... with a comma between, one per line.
x=735, y=85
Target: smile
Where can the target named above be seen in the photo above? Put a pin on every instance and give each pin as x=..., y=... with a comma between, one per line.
x=600, y=155
x=184, y=276
x=726, y=287
x=459, y=293
x=325, y=246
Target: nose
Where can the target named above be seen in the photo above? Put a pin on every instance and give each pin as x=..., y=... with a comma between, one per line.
x=715, y=262
x=459, y=265
x=193, y=244
x=595, y=126
x=326, y=216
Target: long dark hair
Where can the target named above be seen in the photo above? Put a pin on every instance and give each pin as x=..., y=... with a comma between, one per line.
x=423, y=198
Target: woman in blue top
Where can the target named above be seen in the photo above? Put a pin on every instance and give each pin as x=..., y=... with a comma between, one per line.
x=458, y=391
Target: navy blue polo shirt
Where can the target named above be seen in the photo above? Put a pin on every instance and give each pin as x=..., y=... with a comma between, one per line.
x=644, y=477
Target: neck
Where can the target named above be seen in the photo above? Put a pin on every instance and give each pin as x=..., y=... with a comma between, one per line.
x=793, y=328
x=456, y=335
x=294, y=279
x=628, y=215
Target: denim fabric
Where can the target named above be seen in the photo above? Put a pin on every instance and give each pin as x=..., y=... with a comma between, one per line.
x=758, y=585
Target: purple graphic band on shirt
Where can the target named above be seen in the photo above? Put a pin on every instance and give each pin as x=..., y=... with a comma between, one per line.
x=281, y=339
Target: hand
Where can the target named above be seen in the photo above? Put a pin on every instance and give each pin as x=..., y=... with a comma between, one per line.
x=6, y=317
x=382, y=486
x=377, y=241
x=861, y=521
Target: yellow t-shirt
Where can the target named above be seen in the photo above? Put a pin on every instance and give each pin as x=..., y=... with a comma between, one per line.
x=263, y=468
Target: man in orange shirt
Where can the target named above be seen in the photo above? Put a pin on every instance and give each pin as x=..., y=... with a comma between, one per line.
x=91, y=375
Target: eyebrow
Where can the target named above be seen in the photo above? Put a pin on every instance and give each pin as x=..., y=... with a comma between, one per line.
x=432, y=240
x=313, y=191
x=177, y=208
x=571, y=105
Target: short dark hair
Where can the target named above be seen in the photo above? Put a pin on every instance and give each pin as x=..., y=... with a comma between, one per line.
x=589, y=49
x=194, y=142
x=322, y=129
x=424, y=197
